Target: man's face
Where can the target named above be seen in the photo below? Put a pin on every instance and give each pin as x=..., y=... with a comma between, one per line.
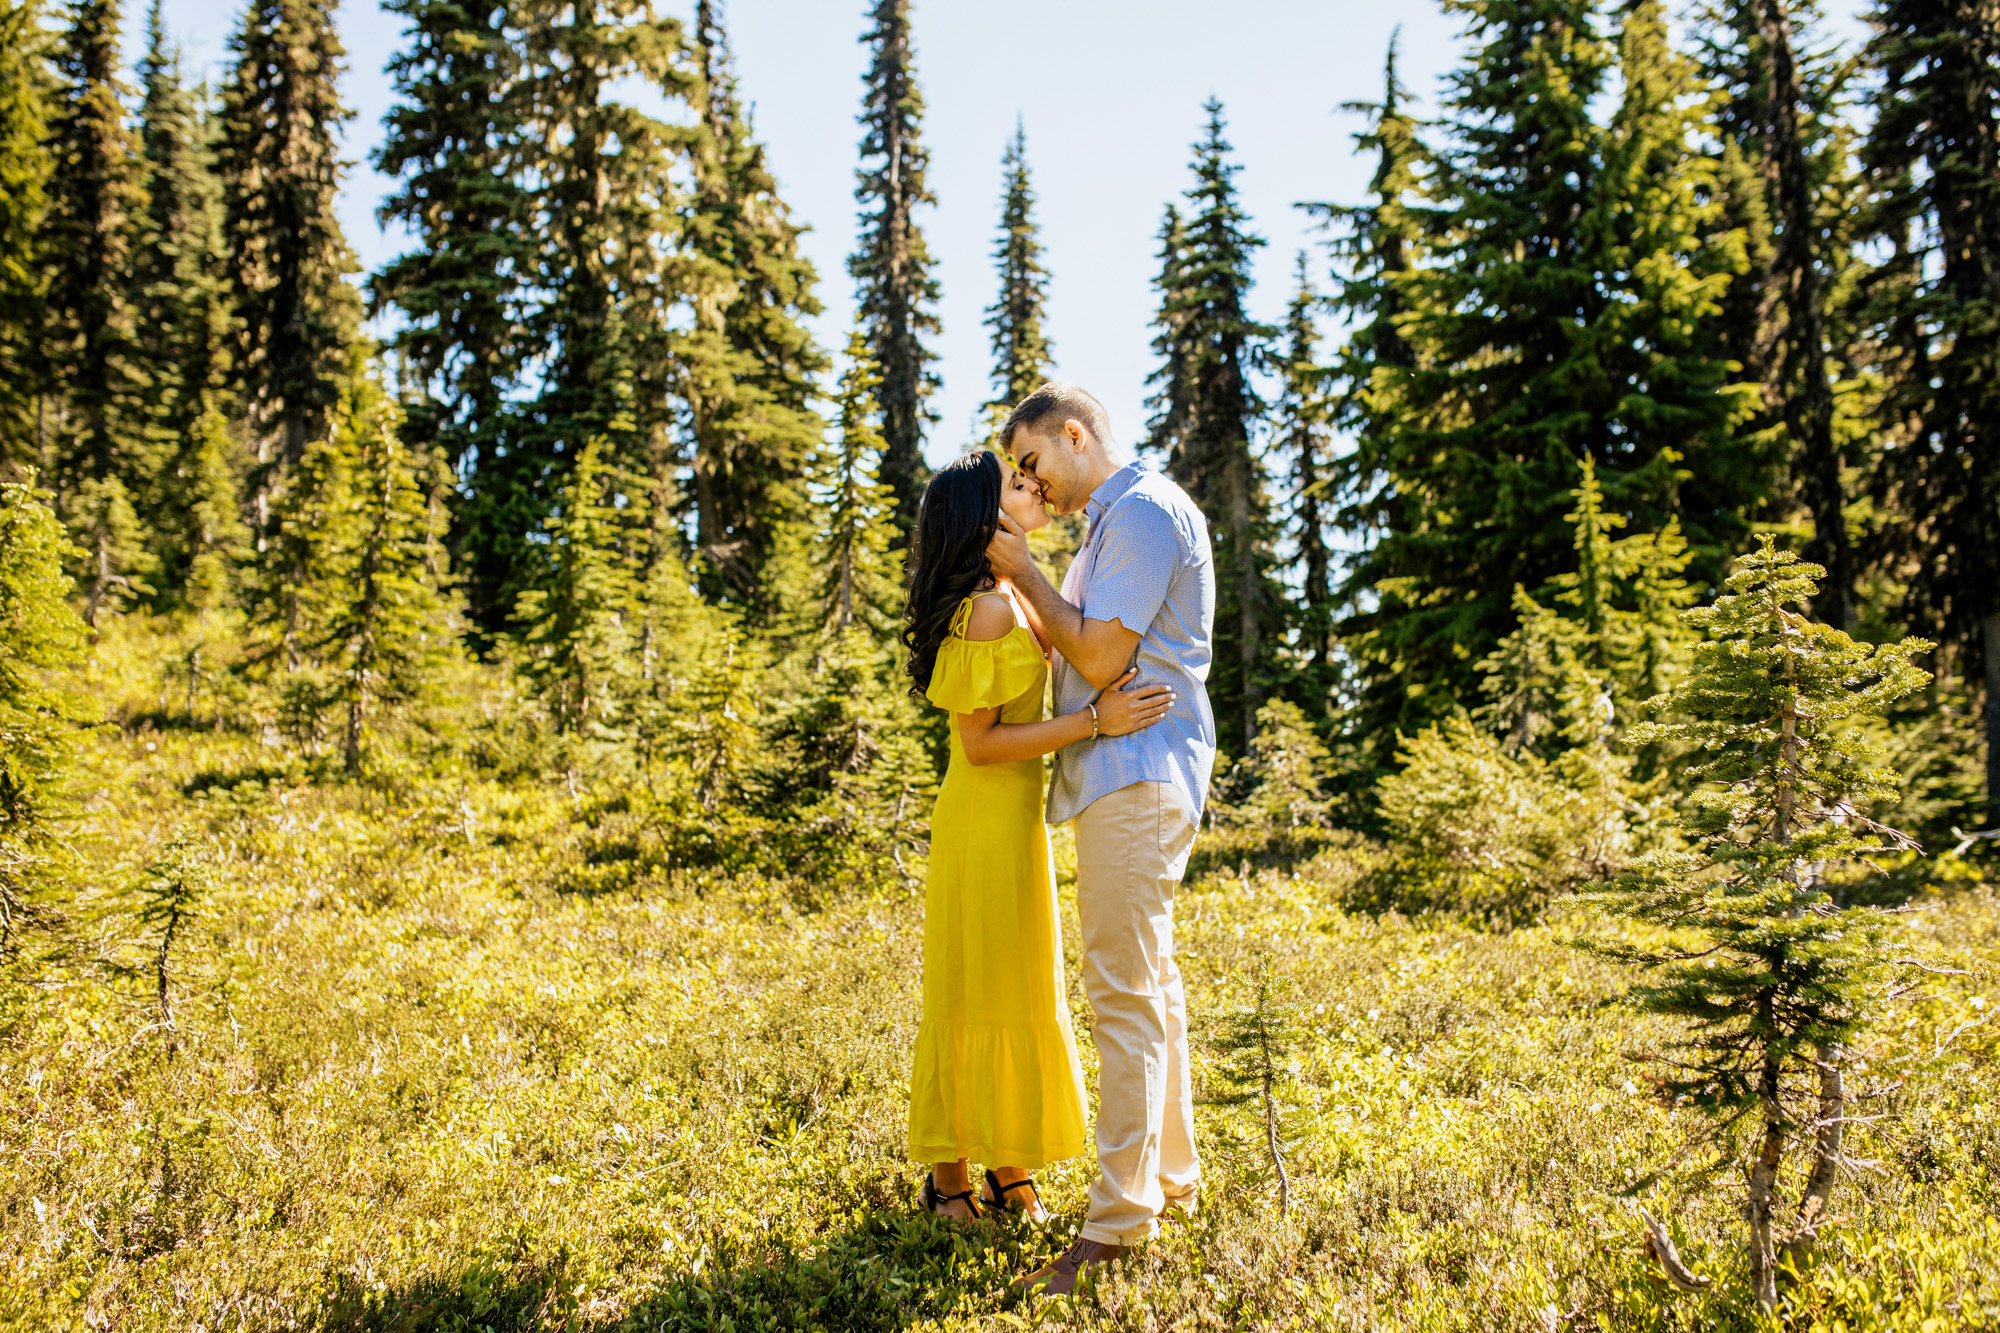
x=1055, y=463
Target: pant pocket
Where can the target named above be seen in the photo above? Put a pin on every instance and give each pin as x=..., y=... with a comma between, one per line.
x=1177, y=829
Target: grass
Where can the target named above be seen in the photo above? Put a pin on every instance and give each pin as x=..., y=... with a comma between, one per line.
x=419, y=1083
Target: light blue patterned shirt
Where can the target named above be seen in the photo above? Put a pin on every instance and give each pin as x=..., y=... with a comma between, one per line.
x=1146, y=564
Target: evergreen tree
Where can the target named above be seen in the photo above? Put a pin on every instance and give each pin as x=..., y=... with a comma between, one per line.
x=749, y=362
x=212, y=541
x=1302, y=429
x=24, y=172
x=449, y=141
x=183, y=322
x=390, y=629
x=1933, y=158
x=39, y=635
x=577, y=631
x=95, y=447
x=598, y=334
x=1207, y=413
x=1608, y=641
x=859, y=582
x=1373, y=245
x=1021, y=353
x=1567, y=312
x=278, y=157
x=892, y=268
x=1781, y=178
x=1769, y=972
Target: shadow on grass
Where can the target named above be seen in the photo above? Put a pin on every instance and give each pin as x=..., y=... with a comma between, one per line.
x=882, y=1271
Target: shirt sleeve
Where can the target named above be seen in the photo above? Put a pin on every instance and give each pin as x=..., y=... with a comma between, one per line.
x=1135, y=568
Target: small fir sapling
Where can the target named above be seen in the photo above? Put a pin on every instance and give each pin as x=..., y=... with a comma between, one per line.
x=1254, y=1043
x=172, y=893
x=1769, y=972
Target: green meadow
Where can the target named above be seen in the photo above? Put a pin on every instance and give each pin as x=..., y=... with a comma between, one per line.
x=433, y=1068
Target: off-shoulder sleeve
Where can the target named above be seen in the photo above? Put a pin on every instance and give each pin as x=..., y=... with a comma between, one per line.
x=974, y=674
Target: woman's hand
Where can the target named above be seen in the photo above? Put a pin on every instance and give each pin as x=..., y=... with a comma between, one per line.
x=1121, y=712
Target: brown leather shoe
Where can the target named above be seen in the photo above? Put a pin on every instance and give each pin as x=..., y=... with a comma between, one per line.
x=1060, y=1278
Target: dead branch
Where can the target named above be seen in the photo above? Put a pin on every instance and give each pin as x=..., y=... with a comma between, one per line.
x=1660, y=1246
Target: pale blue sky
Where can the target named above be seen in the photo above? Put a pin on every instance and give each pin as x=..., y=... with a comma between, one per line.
x=1110, y=92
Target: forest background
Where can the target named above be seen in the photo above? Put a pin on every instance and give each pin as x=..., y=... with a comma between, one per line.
x=588, y=558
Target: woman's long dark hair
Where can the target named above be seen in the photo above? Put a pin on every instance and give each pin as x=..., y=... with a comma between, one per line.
x=960, y=512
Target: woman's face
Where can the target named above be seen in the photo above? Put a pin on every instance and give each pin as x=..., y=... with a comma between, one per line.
x=1021, y=499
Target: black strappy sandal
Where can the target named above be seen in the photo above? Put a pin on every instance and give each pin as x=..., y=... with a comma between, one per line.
x=999, y=1199
x=934, y=1202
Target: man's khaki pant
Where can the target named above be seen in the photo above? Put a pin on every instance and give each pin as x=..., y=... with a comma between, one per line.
x=1131, y=849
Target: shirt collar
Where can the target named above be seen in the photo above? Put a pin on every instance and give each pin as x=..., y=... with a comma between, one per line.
x=1113, y=488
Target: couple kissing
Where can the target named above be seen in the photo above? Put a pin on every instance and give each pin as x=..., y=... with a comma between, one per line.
x=995, y=1078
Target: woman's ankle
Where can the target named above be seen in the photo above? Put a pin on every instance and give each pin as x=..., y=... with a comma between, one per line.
x=951, y=1177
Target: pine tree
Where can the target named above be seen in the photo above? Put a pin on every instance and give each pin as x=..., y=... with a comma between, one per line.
x=1207, y=413
x=213, y=541
x=1602, y=642
x=599, y=330
x=39, y=635
x=183, y=321
x=95, y=448
x=892, y=268
x=1781, y=175
x=577, y=631
x=1933, y=159
x=449, y=139
x=1567, y=311
x=1769, y=972
x=750, y=363
x=278, y=157
x=1374, y=246
x=1302, y=430
x=24, y=171
x=858, y=580
x=390, y=629
x=1021, y=353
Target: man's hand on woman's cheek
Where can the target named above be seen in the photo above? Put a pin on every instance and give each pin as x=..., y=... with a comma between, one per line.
x=1008, y=552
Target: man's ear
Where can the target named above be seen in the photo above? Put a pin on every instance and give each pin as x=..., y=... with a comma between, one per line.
x=1079, y=438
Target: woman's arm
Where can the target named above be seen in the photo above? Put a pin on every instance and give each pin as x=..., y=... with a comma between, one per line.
x=987, y=740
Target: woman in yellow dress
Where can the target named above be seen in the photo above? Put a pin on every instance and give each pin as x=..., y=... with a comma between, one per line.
x=995, y=1077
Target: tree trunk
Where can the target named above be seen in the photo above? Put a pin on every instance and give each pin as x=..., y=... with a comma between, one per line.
x=1243, y=540
x=1764, y=1171
x=1808, y=396
x=1989, y=642
x=1818, y=1197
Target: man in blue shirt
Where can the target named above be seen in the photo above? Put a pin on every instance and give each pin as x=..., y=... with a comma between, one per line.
x=1141, y=591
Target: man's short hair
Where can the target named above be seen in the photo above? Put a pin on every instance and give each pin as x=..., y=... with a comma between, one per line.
x=1045, y=410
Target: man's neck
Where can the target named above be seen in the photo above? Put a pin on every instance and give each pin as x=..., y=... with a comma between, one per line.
x=1103, y=468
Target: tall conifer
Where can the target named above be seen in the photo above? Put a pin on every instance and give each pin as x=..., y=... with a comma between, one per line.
x=1021, y=353
x=859, y=582
x=1302, y=432
x=1933, y=158
x=749, y=362
x=1566, y=312
x=892, y=267
x=182, y=304
x=1784, y=182
x=279, y=160
x=1207, y=414
x=95, y=447
x=24, y=172
x=449, y=141
x=598, y=331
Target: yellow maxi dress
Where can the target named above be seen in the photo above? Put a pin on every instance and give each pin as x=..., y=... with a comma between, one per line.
x=995, y=1077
